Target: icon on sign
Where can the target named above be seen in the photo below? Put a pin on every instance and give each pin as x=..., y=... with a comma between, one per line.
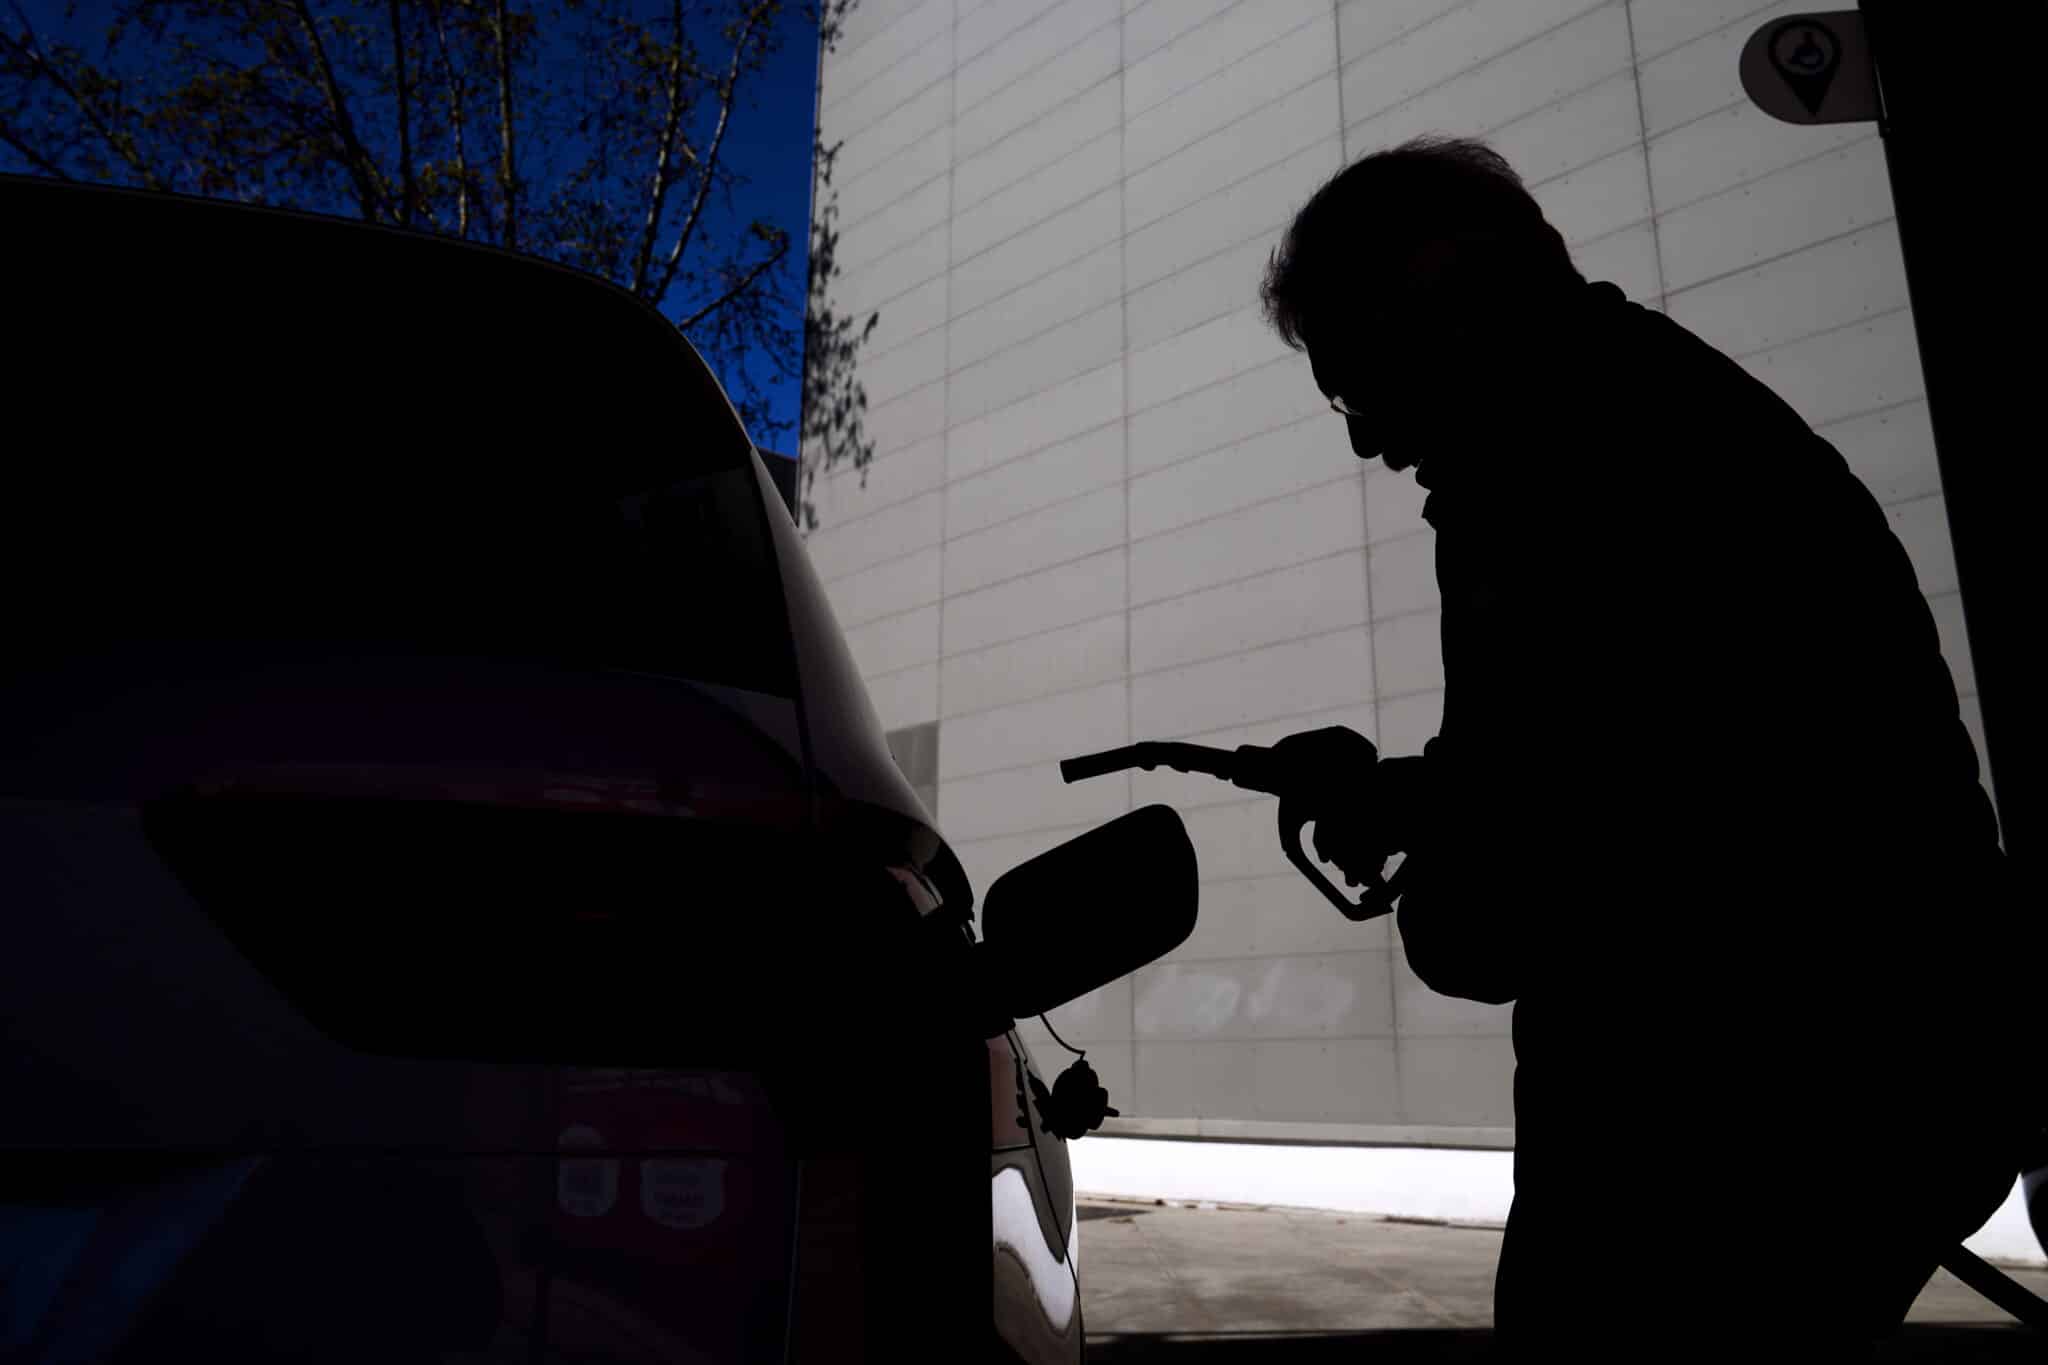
x=1807, y=55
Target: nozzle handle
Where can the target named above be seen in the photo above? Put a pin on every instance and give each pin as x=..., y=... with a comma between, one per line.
x=1378, y=897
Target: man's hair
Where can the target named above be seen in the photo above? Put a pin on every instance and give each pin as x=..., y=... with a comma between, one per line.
x=1361, y=226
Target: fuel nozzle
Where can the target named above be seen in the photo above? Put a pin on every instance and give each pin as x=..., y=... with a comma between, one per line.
x=1310, y=773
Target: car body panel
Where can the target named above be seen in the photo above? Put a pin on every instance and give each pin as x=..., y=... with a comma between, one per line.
x=352, y=1110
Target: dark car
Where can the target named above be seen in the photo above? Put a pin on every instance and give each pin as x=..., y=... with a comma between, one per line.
x=459, y=904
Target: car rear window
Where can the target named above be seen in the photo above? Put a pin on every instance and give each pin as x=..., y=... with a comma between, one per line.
x=255, y=425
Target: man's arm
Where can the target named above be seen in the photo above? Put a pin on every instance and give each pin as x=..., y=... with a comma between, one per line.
x=1464, y=913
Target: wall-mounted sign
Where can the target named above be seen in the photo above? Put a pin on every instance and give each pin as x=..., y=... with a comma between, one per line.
x=1812, y=68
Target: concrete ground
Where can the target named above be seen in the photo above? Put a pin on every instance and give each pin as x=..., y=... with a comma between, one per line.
x=1185, y=1283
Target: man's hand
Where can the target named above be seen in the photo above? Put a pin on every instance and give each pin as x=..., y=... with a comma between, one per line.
x=1366, y=809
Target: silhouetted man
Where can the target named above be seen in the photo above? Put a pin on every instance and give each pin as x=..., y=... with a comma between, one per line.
x=1702, y=803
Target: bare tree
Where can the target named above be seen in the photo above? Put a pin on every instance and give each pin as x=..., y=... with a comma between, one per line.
x=590, y=132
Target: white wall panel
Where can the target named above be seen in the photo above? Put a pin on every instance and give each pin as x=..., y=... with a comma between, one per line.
x=1080, y=464
x=1407, y=723
x=1776, y=214
x=1086, y=343
x=1307, y=599
x=910, y=365
x=1425, y=1014
x=1363, y=26
x=896, y=642
x=1080, y=174
x=1702, y=75
x=986, y=121
x=910, y=216
x=980, y=27
x=1282, y=679
x=1627, y=258
x=1029, y=47
x=1078, y=287
x=1458, y=1081
x=1408, y=654
x=1512, y=85
x=1235, y=35
x=1330, y=1080
x=1735, y=146
x=1251, y=209
x=1955, y=641
x=1266, y=915
x=1891, y=450
x=1461, y=37
x=1393, y=503
x=1307, y=525
x=1853, y=369
x=1241, y=76
x=1404, y=576
x=897, y=585
x=888, y=277
x=1572, y=132
x=839, y=495
x=1152, y=24
x=1061, y=660
x=1269, y=465
x=1272, y=395
x=1237, y=840
x=910, y=77
x=906, y=697
x=1062, y=595
x=1336, y=995
x=903, y=422
x=857, y=66
x=1922, y=527
x=1224, y=283
x=1661, y=25
x=1033, y=798
x=1080, y=404
x=1824, y=286
x=1037, y=540
x=1214, y=351
x=1597, y=199
x=1036, y=146
x=881, y=185
x=1029, y=733
x=1268, y=134
x=864, y=22
x=1019, y=261
x=896, y=130
x=836, y=551
x=906, y=319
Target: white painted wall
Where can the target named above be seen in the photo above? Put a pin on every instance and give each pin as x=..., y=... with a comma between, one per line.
x=1108, y=504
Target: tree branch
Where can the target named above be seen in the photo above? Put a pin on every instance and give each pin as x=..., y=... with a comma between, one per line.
x=708, y=169
x=368, y=196
x=457, y=94
x=736, y=290
x=121, y=146
x=657, y=194
x=508, y=183
x=408, y=193
x=34, y=158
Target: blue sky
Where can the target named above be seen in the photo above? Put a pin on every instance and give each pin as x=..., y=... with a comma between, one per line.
x=768, y=143
x=772, y=147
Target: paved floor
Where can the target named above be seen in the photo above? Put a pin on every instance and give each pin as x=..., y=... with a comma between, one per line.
x=1187, y=1283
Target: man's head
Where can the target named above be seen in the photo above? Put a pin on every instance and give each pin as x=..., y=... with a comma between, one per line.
x=1411, y=274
